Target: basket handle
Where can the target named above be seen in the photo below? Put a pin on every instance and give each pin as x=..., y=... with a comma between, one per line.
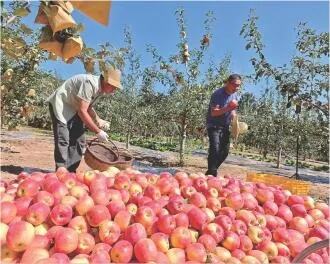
x=107, y=142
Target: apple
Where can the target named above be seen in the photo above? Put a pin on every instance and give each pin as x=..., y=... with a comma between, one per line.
x=238, y=253
x=8, y=255
x=249, y=260
x=256, y=234
x=285, y=213
x=45, y=197
x=134, y=233
x=115, y=206
x=228, y=211
x=208, y=242
x=215, y=231
x=295, y=199
x=282, y=249
x=181, y=237
x=320, y=232
x=97, y=214
x=261, y=256
x=145, y=250
x=145, y=216
x=61, y=214
x=281, y=235
x=19, y=236
x=3, y=232
x=58, y=190
x=224, y=221
x=239, y=227
x=279, y=197
x=33, y=255
x=234, y=200
x=214, y=204
x=152, y=192
x=209, y=213
x=27, y=188
x=8, y=211
x=123, y=219
x=77, y=191
x=223, y=253
x=271, y=222
x=269, y=248
x=84, y=204
x=99, y=256
x=309, y=202
x=200, y=184
x=40, y=241
x=299, y=224
x=109, y=232
x=101, y=196
x=196, y=252
x=181, y=219
x=86, y=243
x=316, y=214
x=161, y=241
x=176, y=255
x=231, y=241
x=89, y=176
x=166, y=224
x=264, y=195
x=22, y=204
x=79, y=224
x=37, y=213
x=197, y=218
x=270, y=207
x=198, y=199
x=122, y=182
x=245, y=243
x=298, y=210
x=175, y=204
x=61, y=258
x=122, y=252
x=66, y=240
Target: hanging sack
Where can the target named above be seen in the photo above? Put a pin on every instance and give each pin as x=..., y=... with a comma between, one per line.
x=58, y=18
x=72, y=47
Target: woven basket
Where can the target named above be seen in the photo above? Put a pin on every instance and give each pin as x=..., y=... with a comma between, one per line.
x=114, y=157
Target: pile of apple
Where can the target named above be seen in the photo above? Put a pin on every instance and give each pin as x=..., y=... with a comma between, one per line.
x=129, y=216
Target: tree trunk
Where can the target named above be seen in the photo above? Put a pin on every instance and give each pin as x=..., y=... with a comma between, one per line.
x=183, y=136
x=279, y=157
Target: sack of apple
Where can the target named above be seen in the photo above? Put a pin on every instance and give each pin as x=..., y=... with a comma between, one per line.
x=129, y=216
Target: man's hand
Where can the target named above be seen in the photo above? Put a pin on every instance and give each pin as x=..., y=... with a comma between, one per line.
x=103, y=124
x=102, y=136
x=232, y=105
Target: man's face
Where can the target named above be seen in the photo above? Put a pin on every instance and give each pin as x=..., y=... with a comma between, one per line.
x=108, y=88
x=233, y=86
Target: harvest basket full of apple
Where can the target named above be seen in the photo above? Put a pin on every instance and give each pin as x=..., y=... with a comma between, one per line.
x=126, y=216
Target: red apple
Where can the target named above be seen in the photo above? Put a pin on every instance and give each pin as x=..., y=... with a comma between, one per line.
x=97, y=214
x=22, y=204
x=223, y=253
x=86, y=243
x=27, y=188
x=269, y=248
x=182, y=219
x=214, y=204
x=8, y=211
x=145, y=250
x=245, y=243
x=270, y=208
x=134, y=233
x=197, y=218
x=45, y=197
x=19, y=236
x=109, y=232
x=61, y=214
x=145, y=216
x=33, y=255
x=37, y=213
x=176, y=255
x=256, y=234
x=264, y=195
x=166, y=224
x=231, y=241
x=234, y=200
x=198, y=199
x=224, y=221
x=84, y=204
x=196, y=252
x=161, y=241
x=122, y=252
x=285, y=213
x=115, y=206
x=79, y=224
x=181, y=237
x=208, y=242
x=66, y=240
x=123, y=219
x=215, y=231
x=239, y=227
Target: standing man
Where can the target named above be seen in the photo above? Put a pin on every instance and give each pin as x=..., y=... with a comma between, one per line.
x=71, y=109
x=220, y=113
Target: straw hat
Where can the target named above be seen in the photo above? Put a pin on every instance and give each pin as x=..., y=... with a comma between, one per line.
x=112, y=76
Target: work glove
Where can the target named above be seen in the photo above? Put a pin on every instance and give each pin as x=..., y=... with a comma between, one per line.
x=102, y=136
x=103, y=124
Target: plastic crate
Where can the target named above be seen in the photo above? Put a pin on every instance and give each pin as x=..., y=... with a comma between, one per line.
x=294, y=186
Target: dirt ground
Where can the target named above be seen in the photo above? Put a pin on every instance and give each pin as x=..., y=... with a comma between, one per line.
x=32, y=150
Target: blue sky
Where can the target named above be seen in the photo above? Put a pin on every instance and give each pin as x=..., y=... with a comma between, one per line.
x=154, y=23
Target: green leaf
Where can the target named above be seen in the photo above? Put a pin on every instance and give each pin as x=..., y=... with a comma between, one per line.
x=26, y=29
x=22, y=12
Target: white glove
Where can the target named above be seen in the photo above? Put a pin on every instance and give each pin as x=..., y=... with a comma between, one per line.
x=102, y=136
x=103, y=124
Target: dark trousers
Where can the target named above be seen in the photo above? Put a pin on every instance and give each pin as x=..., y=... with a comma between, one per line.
x=69, y=141
x=219, y=143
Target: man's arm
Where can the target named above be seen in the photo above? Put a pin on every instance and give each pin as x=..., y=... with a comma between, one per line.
x=217, y=111
x=91, y=111
x=86, y=117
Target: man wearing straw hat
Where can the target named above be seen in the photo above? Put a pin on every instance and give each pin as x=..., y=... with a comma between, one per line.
x=220, y=113
x=71, y=109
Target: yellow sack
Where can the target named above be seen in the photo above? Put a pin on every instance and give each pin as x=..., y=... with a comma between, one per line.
x=59, y=19
x=97, y=10
x=72, y=47
x=52, y=46
x=235, y=127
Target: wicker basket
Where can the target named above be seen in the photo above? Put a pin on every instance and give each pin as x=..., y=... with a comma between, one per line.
x=95, y=152
x=294, y=186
